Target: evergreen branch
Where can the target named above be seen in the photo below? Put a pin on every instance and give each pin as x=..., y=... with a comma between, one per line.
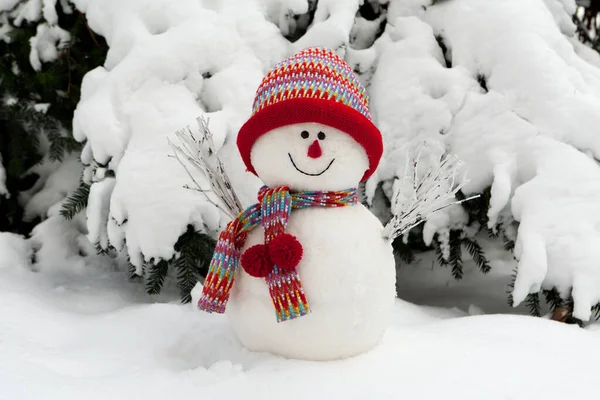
x=195, y=252
x=156, y=279
x=456, y=255
x=76, y=202
x=186, y=276
x=494, y=234
x=532, y=301
x=509, y=245
x=477, y=209
x=403, y=251
x=511, y=287
x=362, y=194
x=61, y=146
x=440, y=253
x=596, y=311
x=100, y=250
x=131, y=270
x=553, y=299
x=477, y=254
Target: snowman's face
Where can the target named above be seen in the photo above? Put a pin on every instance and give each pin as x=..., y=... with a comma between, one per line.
x=309, y=156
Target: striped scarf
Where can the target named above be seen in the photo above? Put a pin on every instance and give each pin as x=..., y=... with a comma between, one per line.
x=272, y=212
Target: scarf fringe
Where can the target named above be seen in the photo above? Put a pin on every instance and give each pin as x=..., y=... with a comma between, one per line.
x=287, y=294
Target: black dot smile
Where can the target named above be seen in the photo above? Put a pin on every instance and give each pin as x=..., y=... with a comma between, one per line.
x=306, y=173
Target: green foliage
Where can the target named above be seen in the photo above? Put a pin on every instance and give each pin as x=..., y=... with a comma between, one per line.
x=103, y=251
x=477, y=254
x=596, y=311
x=77, y=202
x=36, y=112
x=553, y=301
x=477, y=208
x=511, y=286
x=455, y=260
x=532, y=301
x=19, y=153
x=36, y=107
x=437, y=245
x=456, y=242
x=403, y=250
x=157, y=275
x=587, y=23
x=58, y=82
x=131, y=270
x=509, y=244
x=194, y=252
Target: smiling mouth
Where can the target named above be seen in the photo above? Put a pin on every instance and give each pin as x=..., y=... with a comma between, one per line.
x=306, y=173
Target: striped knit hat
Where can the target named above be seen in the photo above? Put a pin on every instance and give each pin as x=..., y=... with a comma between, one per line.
x=314, y=85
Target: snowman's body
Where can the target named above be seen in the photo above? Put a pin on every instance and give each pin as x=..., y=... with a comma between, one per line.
x=310, y=134
x=348, y=274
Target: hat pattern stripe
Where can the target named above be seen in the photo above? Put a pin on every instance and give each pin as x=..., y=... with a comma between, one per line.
x=315, y=73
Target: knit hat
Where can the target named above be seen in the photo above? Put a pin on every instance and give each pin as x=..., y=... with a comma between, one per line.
x=314, y=85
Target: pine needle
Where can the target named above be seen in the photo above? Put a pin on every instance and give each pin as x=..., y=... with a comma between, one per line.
x=477, y=254
x=76, y=202
x=156, y=279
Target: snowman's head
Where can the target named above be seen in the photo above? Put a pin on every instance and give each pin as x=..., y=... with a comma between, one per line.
x=309, y=156
x=310, y=127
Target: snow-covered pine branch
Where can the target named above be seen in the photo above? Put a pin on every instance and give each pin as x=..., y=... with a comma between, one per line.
x=417, y=197
x=198, y=153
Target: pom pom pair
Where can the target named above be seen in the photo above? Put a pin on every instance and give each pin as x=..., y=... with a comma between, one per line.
x=284, y=250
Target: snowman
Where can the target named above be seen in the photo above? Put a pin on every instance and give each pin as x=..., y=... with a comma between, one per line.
x=306, y=272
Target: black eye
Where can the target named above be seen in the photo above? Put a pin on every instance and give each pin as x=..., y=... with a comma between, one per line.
x=321, y=136
x=304, y=134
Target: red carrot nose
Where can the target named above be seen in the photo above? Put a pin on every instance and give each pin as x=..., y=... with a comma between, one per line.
x=314, y=150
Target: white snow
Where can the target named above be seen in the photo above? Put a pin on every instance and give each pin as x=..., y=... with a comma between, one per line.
x=88, y=333
x=540, y=104
x=5, y=29
x=76, y=328
x=98, y=210
x=16, y=252
x=28, y=10
x=559, y=235
x=41, y=107
x=331, y=26
x=57, y=180
x=6, y=5
x=49, y=11
x=47, y=44
x=166, y=66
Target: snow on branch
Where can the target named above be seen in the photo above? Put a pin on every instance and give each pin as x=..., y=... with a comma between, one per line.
x=193, y=151
x=417, y=197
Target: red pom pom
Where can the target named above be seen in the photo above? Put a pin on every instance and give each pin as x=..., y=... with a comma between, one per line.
x=286, y=251
x=256, y=261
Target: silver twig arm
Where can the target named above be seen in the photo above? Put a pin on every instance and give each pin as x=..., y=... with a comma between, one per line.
x=199, y=155
x=416, y=196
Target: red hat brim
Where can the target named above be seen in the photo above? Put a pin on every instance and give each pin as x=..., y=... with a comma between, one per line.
x=301, y=110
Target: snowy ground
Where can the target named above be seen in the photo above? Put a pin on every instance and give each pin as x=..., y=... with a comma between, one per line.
x=79, y=330
x=82, y=332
